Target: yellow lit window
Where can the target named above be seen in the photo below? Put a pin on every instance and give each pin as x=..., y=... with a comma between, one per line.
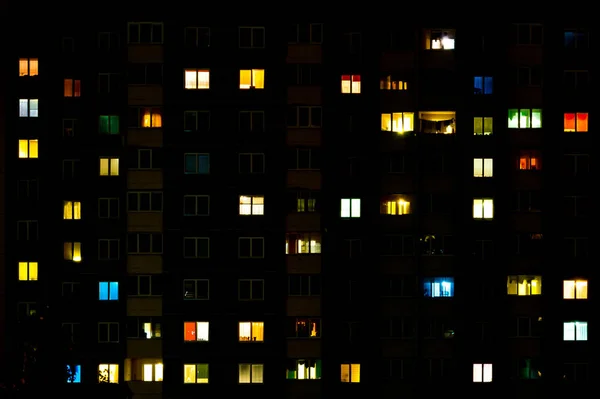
x=575, y=289
x=438, y=39
x=28, y=67
x=251, y=331
x=483, y=167
x=108, y=373
x=151, y=117
x=250, y=373
x=524, y=285
x=252, y=205
x=72, y=88
x=350, y=372
x=196, y=79
x=28, y=271
x=72, y=251
x=28, y=148
x=483, y=208
x=483, y=126
x=388, y=83
x=109, y=166
x=302, y=243
x=152, y=372
x=195, y=373
x=252, y=78
x=351, y=84
x=71, y=210
x=399, y=122
x=438, y=122
x=395, y=206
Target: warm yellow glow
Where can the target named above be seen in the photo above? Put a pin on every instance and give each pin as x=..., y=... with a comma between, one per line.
x=109, y=166
x=72, y=251
x=351, y=84
x=71, y=210
x=28, y=271
x=250, y=373
x=483, y=209
x=28, y=67
x=399, y=122
x=524, y=285
x=197, y=79
x=396, y=207
x=251, y=331
x=252, y=205
x=153, y=372
x=350, y=373
x=195, y=373
x=252, y=78
x=108, y=373
x=483, y=167
x=575, y=289
x=151, y=117
x=28, y=148
x=388, y=84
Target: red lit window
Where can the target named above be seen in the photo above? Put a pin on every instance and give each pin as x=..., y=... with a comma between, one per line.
x=530, y=161
x=189, y=331
x=576, y=122
x=351, y=84
x=194, y=331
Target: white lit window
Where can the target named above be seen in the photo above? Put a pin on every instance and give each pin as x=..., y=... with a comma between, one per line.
x=252, y=205
x=351, y=84
x=250, y=373
x=575, y=289
x=28, y=108
x=483, y=209
x=483, y=167
x=575, y=331
x=482, y=372
x=197, y=79
x=153, y=372
x=252, y=331
x=350, y=208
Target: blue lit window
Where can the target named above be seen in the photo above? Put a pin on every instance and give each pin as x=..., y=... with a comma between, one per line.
x=74, y=377
x=576, y=39
x=438, y=287
x=483, y=84
x=108, y=291
x=197, y=164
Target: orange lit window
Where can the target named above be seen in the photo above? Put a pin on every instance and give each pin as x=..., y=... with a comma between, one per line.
x=530, y=161
x=388, y=83
x=194, y=331
x=252, y=79
x=72, y=88
x=151, y=117
x=576, y=122
x=28, y=67
x=351, y=84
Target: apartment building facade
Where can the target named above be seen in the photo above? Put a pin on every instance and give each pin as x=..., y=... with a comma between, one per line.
x=425, y=181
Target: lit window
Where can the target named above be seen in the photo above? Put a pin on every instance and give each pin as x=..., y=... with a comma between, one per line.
x=438, y=122
x=351, y=84
x=437, y=39
x=150, y=117
x=251, y=331
x=483, y=84
x=108, y=124
x=530, y=160
x=483, y=208
x=388, y=83
x=108, y=373
x=195, y=373
x=350, y=372
x=152, y=372
x=252, y=78
x=483, y=167
x=575, y=331
x=302, y=243
x=482, y=372
x=306, y=328
x=28, y=67
x=250, y=373
x=108, y=291
x=109, y=166
x=196, y=79
x=71, y=210
x=483, y=126
x=395, y=205
x=194, y=331
x=399, y=122
x=196, y=164
x=74, y=373
x=576, y=122
x=28, y=108
x=252, y=205
x=438, y=287
x=524, y=118
x=72, y=88
x=28, y=271
x=302, y=369
x=575, y=289
x=350, y=208
x=524, y=285
x=28, y=148
x=72, y=251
